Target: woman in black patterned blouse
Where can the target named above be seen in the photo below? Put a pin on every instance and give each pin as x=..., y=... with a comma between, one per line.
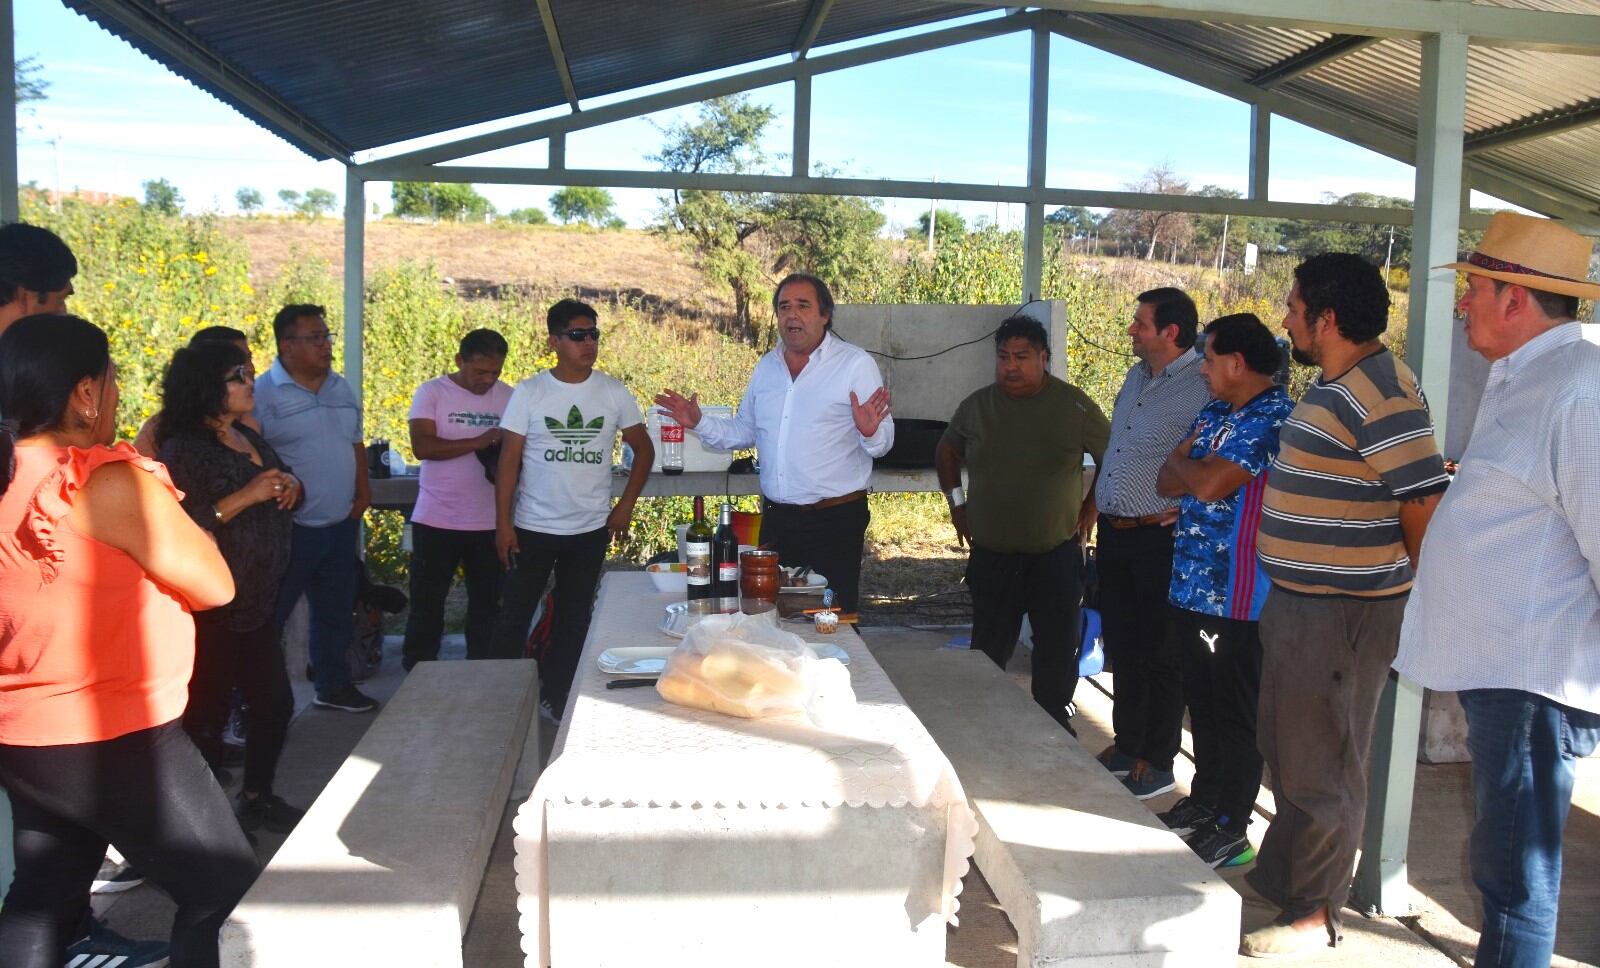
x=236, y=486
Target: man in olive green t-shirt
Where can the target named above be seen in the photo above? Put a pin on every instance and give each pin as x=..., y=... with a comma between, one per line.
x=1023, y=439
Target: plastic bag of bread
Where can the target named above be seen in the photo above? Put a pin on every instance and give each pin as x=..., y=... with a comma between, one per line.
x=744, y=665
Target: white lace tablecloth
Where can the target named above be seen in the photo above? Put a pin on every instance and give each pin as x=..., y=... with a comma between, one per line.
x=631, y=747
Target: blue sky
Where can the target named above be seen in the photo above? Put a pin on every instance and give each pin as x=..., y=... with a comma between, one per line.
x=960, y=114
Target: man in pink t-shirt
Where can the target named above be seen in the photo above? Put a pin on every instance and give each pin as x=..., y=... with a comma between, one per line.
x=454, y=419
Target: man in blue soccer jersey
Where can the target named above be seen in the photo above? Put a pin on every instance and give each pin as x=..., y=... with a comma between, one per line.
x=1219, y=472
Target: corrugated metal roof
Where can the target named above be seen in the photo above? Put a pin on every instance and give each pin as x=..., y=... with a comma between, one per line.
x=337, y=76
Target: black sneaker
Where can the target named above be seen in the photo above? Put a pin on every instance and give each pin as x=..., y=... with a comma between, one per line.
x=116, y=878
x=349, y=699
x=268, y=810
x=1186, y=815
x=103, y=948
x=1221, y=847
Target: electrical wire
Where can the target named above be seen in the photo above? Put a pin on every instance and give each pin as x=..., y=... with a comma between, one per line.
x=1071, y=327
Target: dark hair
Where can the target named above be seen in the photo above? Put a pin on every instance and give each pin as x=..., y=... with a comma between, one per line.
x=564, y=312
x=483, y=342
x=33, y=259
x=1350, y=286
x=1173, y=308
x=824, y=294
x=218, y=334
x=43, y=357
x=1554, y=305
x=1023, y=327
x=283, y=323
x=195, y=389
x=1248, y=336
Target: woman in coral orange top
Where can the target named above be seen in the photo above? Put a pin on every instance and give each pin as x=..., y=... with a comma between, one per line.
x=100, y=571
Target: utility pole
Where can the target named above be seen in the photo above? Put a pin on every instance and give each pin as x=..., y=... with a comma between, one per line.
x=1222, y=249
x=1388, y=257
x=55, y=143
x=933, y=213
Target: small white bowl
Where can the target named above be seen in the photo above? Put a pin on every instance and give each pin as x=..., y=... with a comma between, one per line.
x=669, y=577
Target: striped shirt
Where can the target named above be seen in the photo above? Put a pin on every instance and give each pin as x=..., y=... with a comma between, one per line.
x=1510, y=597
x=1153, y=414
x=1351, y=451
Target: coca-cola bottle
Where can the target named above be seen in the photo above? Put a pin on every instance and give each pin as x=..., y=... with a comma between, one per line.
x=671, y=444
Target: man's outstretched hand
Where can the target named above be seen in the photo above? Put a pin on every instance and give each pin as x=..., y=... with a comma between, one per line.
x=685, y=410
x=868, y=415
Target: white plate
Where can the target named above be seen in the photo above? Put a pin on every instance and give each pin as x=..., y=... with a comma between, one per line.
x=814, y=585
x=636, y=660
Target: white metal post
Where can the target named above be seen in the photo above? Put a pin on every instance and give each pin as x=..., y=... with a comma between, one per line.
x=801, y=161
x=1260, y=151
x=355, y=276
x=10, y=207
x=1038, y=139
x=1380, y=884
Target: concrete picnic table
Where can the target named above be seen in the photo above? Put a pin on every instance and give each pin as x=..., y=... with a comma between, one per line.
x=665, y=835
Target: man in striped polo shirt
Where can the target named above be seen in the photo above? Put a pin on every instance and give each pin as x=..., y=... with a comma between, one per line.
x=1217, y=590
x=1356, y=479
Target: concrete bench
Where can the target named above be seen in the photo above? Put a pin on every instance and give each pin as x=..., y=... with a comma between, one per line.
x=387, y=864
x=1086, y=873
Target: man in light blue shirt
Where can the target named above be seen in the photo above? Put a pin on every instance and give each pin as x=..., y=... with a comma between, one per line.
x=311, y=416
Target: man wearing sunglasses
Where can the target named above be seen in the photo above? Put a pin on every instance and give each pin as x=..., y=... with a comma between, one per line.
x=311, y=417
x=552, y=496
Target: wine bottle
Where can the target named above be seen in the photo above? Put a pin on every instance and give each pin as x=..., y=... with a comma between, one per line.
x=725, y=551
x=697, y=553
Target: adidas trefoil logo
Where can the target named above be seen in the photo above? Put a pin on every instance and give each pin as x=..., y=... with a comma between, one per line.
x=574, y=434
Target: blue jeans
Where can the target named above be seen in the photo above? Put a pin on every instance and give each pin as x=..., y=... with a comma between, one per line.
x=322, y=566
x=1523, y=747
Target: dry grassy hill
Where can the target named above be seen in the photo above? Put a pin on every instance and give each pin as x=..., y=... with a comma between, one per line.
x=629, y=264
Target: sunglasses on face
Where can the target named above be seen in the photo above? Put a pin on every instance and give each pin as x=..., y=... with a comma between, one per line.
x=581, y=334
x=239, y=374
x=327, y=337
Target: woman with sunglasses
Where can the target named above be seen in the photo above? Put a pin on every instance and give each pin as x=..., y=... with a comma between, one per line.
x=100, y=573
x=236, y=487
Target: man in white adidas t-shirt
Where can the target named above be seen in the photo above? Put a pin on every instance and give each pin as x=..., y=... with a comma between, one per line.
x=552, y=495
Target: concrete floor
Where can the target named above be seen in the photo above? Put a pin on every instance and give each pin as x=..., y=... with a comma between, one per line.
x=1442, y=931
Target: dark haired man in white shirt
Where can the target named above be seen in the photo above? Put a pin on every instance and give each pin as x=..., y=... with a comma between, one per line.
x=817, y=412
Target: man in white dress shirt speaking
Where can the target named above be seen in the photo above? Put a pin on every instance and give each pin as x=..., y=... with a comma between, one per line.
x=817, y=413
x=1506, y=607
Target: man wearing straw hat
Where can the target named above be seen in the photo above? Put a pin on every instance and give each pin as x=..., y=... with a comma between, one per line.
x=1522, y=652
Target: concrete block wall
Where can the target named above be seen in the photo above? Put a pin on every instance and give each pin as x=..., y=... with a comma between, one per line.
x=930, y=389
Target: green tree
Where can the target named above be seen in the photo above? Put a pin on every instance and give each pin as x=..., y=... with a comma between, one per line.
x=946, y=225
x=1369, y=240
x=527, y=216
x=162, y=196
x=581, y=203
x=30, y=87
x=447, y=201
x=834, y=236
x=747, y=240
x=1077, y=221
x=290, y=199
x=248, y=199
x=719, y=227
x=318, y=202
